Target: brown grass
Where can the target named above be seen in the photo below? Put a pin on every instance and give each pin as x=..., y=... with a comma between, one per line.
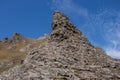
x=14, y=55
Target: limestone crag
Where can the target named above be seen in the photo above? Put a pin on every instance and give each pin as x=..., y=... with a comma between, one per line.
x=65, y=54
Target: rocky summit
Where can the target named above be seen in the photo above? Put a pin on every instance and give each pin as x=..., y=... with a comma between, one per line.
x=65, y=54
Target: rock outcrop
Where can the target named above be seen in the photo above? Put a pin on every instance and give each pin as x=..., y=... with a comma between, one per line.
x=65, y=54
x=11, y=51
x=15, y=39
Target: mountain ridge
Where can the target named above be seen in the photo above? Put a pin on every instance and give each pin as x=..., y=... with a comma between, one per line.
x=65, y=54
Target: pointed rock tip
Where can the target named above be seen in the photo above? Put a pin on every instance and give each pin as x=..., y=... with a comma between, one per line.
x=59, y=20
x=62, y=28
x=16, y=34
x=57, y=15
x=62, y=22
x=57, y=11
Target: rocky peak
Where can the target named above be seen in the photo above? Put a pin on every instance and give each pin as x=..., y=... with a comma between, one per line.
x=16, y=38
x=62, y=28
x=73, y=58
x=15, y=34
x=59, y=19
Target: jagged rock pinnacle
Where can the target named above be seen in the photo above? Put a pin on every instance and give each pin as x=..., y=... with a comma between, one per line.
x=16, y=38
x=16, y=34
x=59, y=20
x=62, y=28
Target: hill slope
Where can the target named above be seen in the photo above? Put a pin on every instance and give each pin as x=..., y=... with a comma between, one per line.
x=65, y=54
x=11, y=50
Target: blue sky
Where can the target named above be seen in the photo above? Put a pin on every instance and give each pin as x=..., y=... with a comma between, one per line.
x=99, y=20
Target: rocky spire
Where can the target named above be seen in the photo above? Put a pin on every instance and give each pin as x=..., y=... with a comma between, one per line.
x=62, y=28
x=59, y=20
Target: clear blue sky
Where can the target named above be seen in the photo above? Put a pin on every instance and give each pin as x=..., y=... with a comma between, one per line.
x=99, y=20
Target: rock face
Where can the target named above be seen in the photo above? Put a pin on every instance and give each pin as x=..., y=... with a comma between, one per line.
x=65, y=54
